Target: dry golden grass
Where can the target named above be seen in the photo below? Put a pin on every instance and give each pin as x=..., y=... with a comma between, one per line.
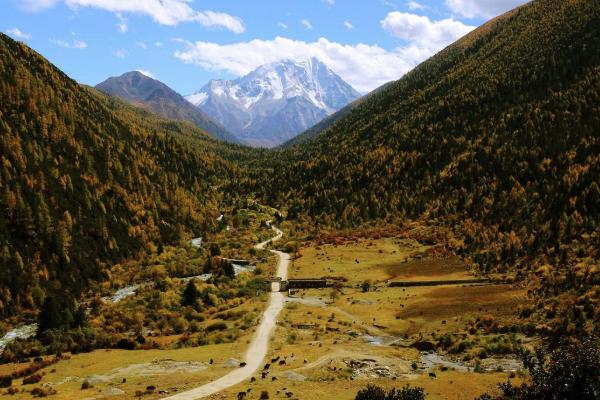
x=316, y=363
x=429, y=269
x=366, y=259
x=69, y=374
x=411, y=310
x=449, y=385
x=501, y=301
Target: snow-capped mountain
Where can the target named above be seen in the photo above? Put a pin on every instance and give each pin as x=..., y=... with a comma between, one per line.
x=275, y=102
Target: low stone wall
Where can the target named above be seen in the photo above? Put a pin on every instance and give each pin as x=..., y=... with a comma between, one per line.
x=438, y=283
x=306, y=283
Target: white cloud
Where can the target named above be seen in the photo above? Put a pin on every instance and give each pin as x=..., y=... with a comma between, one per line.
x=282, y=25
x=482, y=8
x=389, y=4
x=413, y=5
x=16, y=32
x=146, y=72
x=306, y=24
x=348, y=25
x=180, y=40
x=142, y=45
x=364, y=66
x=165, y=12
x=79, y=44
x=330, y=2
x=423, y=32
x=158, y=44
x=121, y=53
x=74, y=44
x=213, y=19
x=122, y=25
x=36, y=5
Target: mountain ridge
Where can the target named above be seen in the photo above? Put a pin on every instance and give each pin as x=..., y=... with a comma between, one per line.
x=147, y=92
x=276, y=101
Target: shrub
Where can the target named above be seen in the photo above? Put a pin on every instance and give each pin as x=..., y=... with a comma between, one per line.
x=291, y=247
x=5, y=381
x=180, y=325
x=372, y=392
x=482, y=354
x=569, y=371
x=35, y=378
x=366, y=286
x=228, y=269
x=39, y=392
x=190, y=294
x=125, y=344
x=292, y=337
x=217, y=326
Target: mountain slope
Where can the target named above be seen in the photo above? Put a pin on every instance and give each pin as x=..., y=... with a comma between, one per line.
x=276, y=101
x=86, y=181
x=141, y=90
x=325, y=123
x=497, y=137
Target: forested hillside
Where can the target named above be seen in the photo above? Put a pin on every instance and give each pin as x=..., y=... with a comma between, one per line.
x=326, y=123
x=497, y=136
x=87, y=180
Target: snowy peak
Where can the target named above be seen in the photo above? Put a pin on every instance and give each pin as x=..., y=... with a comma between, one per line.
x=276, y=101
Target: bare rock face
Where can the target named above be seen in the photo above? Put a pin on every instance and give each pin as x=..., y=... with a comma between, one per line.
x=232, y=363
x=294, y=376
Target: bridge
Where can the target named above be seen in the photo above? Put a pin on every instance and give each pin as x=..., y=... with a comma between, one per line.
x=275, y=283
x=279, y=285
x=239, y=262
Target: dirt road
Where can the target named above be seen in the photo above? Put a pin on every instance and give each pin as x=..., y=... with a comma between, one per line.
x=259, y=346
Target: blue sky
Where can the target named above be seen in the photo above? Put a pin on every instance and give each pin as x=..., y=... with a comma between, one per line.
x=185, y=43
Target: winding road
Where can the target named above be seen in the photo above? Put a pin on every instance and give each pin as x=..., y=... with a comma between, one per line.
x=259, y=346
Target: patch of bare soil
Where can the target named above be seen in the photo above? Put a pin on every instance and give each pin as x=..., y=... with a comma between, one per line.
x=362, y=366
x=156, y=367
x=430, y=268
x=450, y=301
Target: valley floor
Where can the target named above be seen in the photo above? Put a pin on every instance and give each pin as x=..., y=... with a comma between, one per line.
x=335, y=342
x=258, y=347
x=329, y=343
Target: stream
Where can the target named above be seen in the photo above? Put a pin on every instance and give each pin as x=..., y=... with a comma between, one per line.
x=22, y=332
